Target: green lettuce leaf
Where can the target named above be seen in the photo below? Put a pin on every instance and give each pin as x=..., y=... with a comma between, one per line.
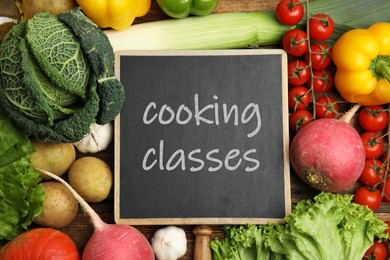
x=329, y=226
x=21, y=193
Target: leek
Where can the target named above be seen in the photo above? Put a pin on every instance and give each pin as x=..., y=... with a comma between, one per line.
x=242, y=29
x=214, y=31
x=351, y=14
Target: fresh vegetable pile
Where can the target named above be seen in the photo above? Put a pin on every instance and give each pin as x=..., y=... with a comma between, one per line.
x=328, y=72
x=330, y=226
x=333, y=158
x=57, y=77
x=21, y=195
x=57, y=84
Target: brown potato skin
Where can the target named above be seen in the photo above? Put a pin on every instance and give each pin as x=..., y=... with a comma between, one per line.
x=91, y=177
x=31, y=7
x=59, y=207
x=52, y=157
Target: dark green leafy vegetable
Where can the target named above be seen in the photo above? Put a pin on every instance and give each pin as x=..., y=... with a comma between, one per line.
x=57, y=77
x=58, y=52
x=13, y=91
x=330, y=226
x=99, y=51
x=51, y=99
x=21, y=194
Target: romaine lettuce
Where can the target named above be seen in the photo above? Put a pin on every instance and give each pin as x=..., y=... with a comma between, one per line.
x=21, y=194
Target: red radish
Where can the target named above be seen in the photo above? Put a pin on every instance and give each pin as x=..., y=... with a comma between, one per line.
x=328, y=154
x=110, y=241
x=40, y=243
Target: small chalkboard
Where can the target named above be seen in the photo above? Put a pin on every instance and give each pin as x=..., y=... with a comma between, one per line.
x=202, y=137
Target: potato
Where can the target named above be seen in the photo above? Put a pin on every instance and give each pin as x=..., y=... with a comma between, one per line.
x=53, y=157
x=31, y=7
x=59, y=207
x=91, y=178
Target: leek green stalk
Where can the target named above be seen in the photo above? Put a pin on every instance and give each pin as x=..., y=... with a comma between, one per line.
x=242, y=30
x=350, y=14
x=214, y=31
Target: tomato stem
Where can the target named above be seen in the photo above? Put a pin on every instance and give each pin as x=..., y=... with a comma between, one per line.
x=310, y=63
x=387, y=159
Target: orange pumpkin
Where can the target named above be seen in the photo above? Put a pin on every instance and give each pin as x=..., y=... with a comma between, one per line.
x=42, y=244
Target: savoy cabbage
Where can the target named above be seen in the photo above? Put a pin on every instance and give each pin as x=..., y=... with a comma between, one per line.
x=57, y=76
x=58, y=52
x=100, y=53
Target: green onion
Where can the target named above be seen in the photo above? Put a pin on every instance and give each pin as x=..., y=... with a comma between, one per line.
x=214, y=31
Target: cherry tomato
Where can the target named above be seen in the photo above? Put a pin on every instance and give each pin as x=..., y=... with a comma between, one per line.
x=298, y=72
x=321, y=56
x=299, y=119
x=373, y=172
x=377, y=251
x=373, y=118
x=322, y=80
x=385, y=188
x=326, y=107
x=295, y=42
x=289, y=12
x=370, y=197
x=373, y=144
x=299, y=97
x=321, y=27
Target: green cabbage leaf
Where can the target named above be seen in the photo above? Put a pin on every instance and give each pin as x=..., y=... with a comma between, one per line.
x=58, y=52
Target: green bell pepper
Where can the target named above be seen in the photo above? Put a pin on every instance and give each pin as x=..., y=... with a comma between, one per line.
x=183, y=8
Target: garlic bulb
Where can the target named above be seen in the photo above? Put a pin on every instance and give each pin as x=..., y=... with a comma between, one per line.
x=169, y=243
x=97, y=140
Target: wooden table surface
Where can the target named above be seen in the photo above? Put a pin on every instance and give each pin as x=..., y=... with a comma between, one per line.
x=81, y=229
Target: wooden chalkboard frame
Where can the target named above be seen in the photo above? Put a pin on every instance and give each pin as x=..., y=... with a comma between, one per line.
x=207, y=220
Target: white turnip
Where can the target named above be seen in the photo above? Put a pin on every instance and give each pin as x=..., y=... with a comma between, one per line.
x=328, y=154
x=110, y=241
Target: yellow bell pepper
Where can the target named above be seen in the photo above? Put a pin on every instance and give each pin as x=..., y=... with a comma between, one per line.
x=362, y=59
x=116, y=14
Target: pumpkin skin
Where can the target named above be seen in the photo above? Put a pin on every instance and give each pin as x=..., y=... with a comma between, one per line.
x=40, y=244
